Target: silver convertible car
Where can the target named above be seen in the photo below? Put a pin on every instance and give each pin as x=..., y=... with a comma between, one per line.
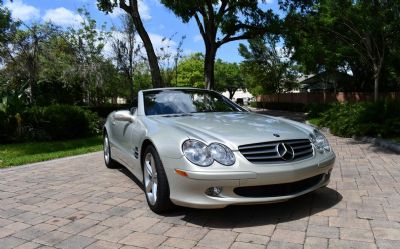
x=196, y=148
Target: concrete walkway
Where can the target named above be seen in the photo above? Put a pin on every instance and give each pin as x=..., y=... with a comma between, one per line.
x=79, y=203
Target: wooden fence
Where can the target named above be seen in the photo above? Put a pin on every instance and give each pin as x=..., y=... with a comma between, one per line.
x=320, y=97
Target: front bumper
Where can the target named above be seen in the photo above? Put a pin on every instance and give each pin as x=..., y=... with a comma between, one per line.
x=190, y=191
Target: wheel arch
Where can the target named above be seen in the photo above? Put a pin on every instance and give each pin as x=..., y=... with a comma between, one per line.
x=146, y=142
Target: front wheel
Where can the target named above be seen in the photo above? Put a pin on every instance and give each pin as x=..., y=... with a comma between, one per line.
x=155, y=182
x=110, y=163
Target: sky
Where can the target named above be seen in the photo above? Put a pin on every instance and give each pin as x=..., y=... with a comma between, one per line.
x=159, y=21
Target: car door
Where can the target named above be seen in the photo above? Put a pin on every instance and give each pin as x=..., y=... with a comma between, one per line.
x=123, y=131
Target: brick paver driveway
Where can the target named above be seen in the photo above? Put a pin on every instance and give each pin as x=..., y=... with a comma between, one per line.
x=79, y=203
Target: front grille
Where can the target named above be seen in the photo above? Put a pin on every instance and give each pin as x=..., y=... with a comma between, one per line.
x=267, y=152
x=278, y=189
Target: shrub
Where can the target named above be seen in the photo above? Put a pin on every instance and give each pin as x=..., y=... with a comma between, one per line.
x=103, y=111
x=316, y=109
x=380, y=119
x=59, y=122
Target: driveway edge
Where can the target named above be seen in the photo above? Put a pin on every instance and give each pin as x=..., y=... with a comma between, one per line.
x=383, y=143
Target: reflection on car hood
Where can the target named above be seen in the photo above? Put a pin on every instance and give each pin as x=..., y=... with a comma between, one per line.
x=233, y=129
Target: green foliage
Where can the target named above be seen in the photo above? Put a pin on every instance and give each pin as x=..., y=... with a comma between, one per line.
x=53, y=122
x=380, y=119
x=62, y=121
x=315, y=109
x=221, y=22
x=266, y=70
x=228, y=77
x=190, y=71
x=361, y=36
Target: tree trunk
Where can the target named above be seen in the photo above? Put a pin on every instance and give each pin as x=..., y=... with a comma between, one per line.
x=131, y=89
x=376, y=82
x=148, y=45
x=231, y=93
x=209, y=64
x=376, y=88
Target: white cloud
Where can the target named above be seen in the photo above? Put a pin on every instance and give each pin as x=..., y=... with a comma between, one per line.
x=197, y=38
x=144, y=11
x=265, y=1
x=21, y=11
x=63, y=17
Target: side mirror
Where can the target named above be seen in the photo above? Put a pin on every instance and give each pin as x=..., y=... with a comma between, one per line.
x=133, y=110
x=124, y=116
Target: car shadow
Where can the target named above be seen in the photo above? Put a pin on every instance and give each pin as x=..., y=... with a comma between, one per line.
x=260, y=215
x=253, y=215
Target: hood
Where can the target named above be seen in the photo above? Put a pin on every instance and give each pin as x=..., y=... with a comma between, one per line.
x=234, y=129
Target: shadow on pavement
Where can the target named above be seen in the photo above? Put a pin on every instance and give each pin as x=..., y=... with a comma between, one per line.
x=254, y=215
x=259, y=215
x=371, y=146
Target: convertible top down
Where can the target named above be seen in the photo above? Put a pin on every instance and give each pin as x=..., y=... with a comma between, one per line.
x=196, y=148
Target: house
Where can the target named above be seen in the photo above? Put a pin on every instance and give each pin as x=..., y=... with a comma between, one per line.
x=241, y=96
x=328, y=81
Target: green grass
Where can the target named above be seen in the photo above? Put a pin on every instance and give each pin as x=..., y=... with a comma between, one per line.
x=23, y=153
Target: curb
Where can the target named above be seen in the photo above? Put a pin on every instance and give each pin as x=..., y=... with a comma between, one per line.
x=17, y=167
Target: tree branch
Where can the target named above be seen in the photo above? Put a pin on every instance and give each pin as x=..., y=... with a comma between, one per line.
x=227, y=38
x=222, y=10
x=201, y=27
x=124, y=6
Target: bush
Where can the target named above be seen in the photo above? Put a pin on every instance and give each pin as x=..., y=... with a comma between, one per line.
x=59, y=122
x=378, y=119
x=103, y=111
x=315, y=110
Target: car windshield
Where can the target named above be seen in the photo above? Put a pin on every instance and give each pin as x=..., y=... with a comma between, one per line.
x=163, y=102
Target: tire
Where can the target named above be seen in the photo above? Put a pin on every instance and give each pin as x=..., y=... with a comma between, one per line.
x=110, y=163
x=155, y=182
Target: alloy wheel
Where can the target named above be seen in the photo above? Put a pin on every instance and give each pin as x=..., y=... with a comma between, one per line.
x=150, y=178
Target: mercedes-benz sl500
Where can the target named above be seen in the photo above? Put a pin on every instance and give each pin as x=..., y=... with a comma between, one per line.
x=196, y=148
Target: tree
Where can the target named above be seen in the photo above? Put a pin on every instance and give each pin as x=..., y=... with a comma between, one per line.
x=88, y=43
x=132, y=9
x=228, y=77
x=21, y=55
x=266, y=69
x=5, y=22
x=126, y=50
x=364, y=30
x=220, y=22
x=168, y=58
x=190, y=70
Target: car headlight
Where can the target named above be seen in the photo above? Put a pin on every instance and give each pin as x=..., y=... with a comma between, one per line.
x=221, y=154
x=202, y=155
x=319, y=141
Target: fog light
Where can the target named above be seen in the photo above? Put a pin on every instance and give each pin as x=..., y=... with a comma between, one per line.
x=214, y=191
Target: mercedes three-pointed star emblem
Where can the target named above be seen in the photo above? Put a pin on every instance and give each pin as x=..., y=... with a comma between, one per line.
x=285, y=151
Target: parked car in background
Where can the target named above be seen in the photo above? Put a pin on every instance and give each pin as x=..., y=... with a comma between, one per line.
x=196, y=148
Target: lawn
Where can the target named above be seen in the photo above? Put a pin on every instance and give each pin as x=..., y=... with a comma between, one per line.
x=23, y=153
